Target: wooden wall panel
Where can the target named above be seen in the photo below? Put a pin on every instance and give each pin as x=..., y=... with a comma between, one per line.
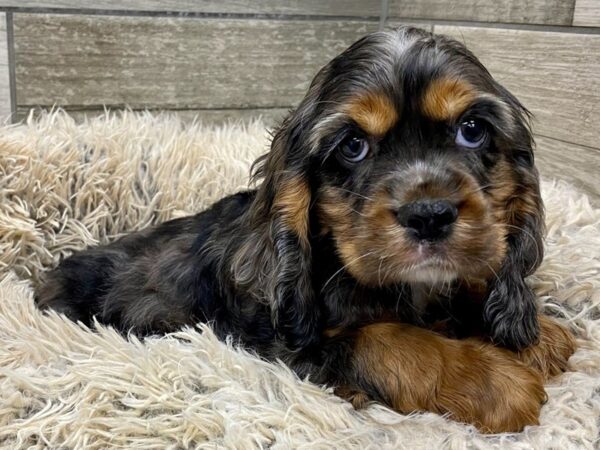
x=587, y=13
x=5, y=101
x=393, y=23
x=79, y=61
x=361, y=8
x=574, y=163
x=554, y=74
x=549, y=12
x=235, y=60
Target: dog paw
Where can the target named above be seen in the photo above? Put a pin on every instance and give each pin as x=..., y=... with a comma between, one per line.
x=470, y=380
x=358, y=398
x=490, y=388
x=551, y=354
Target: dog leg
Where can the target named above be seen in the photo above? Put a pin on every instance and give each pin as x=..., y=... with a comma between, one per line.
x=412, y=369
x=551, y=354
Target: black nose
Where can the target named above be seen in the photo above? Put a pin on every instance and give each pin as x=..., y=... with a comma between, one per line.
x=428, y=219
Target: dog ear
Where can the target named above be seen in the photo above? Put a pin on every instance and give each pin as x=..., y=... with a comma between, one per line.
x=279, y=266
x=510, y=312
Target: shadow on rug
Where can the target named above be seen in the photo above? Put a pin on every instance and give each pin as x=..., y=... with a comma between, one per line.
x=65, y=186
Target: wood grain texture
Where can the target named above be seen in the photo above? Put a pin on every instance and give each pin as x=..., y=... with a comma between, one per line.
x=5, y=102
x=361, y=8
x=549, y=12
x=587, y=13
x=574, y=163
x=555, y=75
x=80, y=61
x=393, y=23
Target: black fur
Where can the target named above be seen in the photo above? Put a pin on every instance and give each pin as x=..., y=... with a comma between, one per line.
x=240, y=265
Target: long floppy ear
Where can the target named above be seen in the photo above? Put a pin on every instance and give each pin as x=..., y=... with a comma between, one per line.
x=275, y=261
x=510, y=311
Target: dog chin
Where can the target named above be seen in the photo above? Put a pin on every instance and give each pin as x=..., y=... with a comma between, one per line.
x=431, y=275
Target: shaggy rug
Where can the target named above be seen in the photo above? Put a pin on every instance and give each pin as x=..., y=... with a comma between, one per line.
x=64, y=186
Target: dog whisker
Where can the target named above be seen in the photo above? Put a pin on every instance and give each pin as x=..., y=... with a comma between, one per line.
x=355, y=193
x=483, y=261
x=345, y=266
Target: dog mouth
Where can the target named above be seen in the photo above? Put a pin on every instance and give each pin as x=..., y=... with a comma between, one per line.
x=427, y=262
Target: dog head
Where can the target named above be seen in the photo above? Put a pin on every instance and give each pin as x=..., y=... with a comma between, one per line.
x=420, y=166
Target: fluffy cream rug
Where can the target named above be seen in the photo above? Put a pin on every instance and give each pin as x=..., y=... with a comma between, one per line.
x=65, y=186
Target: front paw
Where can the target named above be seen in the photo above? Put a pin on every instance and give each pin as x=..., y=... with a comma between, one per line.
x=488, y=387
x=510, y=314
x=551, y=354
x=412, y=369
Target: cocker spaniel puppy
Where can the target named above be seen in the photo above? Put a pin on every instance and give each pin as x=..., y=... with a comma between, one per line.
x=401, y=194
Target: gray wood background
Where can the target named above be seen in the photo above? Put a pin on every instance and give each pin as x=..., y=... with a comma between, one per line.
x=223, y=60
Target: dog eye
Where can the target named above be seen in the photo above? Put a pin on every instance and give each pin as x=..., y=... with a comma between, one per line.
x=354, y=149
x=471, y=133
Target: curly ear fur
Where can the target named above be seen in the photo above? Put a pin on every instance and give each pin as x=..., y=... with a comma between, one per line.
x=510, y=312
x=275, y=262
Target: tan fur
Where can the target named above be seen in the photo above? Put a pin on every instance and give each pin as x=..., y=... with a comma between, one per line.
x=478, y=235
x=513, y=199
x=332, y=332
x=333, y=210
x=510, y=202
x=473, y=381
x=336, y=215
x=292, y=202
x=447, y=98
x=374, y=113
x=502, y=190
x=551, y=354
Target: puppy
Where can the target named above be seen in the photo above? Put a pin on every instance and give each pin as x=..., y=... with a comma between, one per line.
x=403, y=185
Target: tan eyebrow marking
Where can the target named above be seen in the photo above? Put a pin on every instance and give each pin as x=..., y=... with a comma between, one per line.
x=374, y=113
x=447, y=98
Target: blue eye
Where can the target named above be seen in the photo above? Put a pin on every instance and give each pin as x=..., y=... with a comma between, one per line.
x=472, y=133
x=354, y=149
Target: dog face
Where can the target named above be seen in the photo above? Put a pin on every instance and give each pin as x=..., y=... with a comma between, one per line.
x=406, y=200
x=417, y=162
